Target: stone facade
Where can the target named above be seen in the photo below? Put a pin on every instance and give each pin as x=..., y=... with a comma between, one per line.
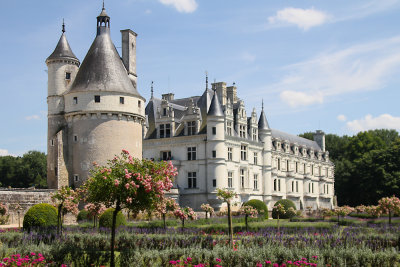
x=219, y=146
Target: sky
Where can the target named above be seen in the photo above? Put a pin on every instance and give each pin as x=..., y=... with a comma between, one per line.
x=329, y=65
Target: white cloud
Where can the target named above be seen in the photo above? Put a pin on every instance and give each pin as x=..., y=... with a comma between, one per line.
x=184, y=6
x=364, y=67
x=32, y=117
x=341, y=117
x=296, y=99
x=302, y=18
x=4, y=152
x=384, y=121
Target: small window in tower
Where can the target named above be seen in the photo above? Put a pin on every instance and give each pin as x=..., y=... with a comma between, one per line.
x=75, y=138
x=122, y=100
x=214, y=153
x=214, y=130
x=68, y=75
x=139, y=103
x=52, y=142
x=214, y=182
x=97, y=99
x=76, y=177
x=75, y=100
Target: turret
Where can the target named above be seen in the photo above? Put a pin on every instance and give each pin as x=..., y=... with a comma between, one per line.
x=62, y=68
x=216, y=150
x=264, y=134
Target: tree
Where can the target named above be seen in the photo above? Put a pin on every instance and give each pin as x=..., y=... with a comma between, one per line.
x=390, y=205
x=280, y=211
x=184, y=214
x=128, y=183
x=165, y=206
x=95, y=210
x=66, y=200
x=343, y=211
x=207, y=209
x=248, y=211
x=227, y=196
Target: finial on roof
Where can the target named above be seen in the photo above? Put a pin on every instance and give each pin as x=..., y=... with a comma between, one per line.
x=103, y=4
x=234, y=83
x=262, y=104
x=63, y=27
x=152, y=89
x=206, y=80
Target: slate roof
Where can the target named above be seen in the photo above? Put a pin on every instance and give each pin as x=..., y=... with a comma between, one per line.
x=295, y=139
x=62, y=50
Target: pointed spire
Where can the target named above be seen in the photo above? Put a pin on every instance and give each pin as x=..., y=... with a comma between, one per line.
x=152, y=91
x=206, y=80
x=63, y=27
x=262, y=122
x=103, y=5
x=215, y=107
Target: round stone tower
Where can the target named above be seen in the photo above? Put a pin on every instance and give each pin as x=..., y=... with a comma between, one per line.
x=103, y=110
x=265, y=136
x=62, y=68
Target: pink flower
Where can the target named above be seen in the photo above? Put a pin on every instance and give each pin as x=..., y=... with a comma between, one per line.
x=267, y=262
x=116, y=182
x=127, y=186
x=218, y=260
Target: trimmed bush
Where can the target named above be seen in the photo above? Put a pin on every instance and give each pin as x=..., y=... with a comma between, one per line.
x=259, y=206
x=84, y=215
x=105, y=219
x=40, y=215
x=286, y=203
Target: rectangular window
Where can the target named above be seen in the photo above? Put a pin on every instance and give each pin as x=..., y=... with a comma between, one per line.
x=76, y=177
x=243, y=152
x=255, y=181
x=312, y=187
x=312, y=169
x=52, y=142
x=68, y=76
x=297, y=186
x=327, y=189
x=242, y=131
x=75, y=138
x=326, y=172
x=191, y=153
x=166, y=155
x=279, y=164
x=214, y=130
x=192, y=180
x=304, y=168
x=214, y=182
x=97, y=99
x=230, y=179
x=167, y=130
x=309, y=187
x=164, y=111
x=214, y=153
x=191, y=127
x=75, y=100
x=122, y=100
x=229, y=128
x=275, y=185
x=292, y=186
x=297, y=167
x=230, y=153
x=242, y=178
x=139, y=103
x=255, y=134
x=162, y=131
x=255, y=158
x=279, y=185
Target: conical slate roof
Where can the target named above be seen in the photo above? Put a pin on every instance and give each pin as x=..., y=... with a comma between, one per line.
x=102, y=69
x=63, y=50
x=215, y=107
x=262, y=122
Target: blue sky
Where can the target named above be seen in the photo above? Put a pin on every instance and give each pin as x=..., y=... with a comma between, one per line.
x=330, y=65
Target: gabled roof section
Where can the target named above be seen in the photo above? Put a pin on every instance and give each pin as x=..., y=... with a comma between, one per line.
x=295, y=139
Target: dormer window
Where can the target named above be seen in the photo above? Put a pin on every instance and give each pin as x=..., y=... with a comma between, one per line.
x=97, y=99
x=75, y=100
x=164, y=111
x=191, y=128
x=68, y=75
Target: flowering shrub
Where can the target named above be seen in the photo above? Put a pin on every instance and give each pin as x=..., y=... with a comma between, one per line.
x=207, y=208
x=95, y=210
x=184, y=214
x=374, y=211
x=227, y=196
x=166, y=205
x=390, y=205
x=360, y=209
x=32, y=259
x=65, y=200
x=249, y=211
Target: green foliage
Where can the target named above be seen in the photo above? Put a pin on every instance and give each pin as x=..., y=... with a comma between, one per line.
x=26, y=171
x=40, y=215
x=259, y=206
x=286, y=203
x=105, y=219
x=84, y=215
